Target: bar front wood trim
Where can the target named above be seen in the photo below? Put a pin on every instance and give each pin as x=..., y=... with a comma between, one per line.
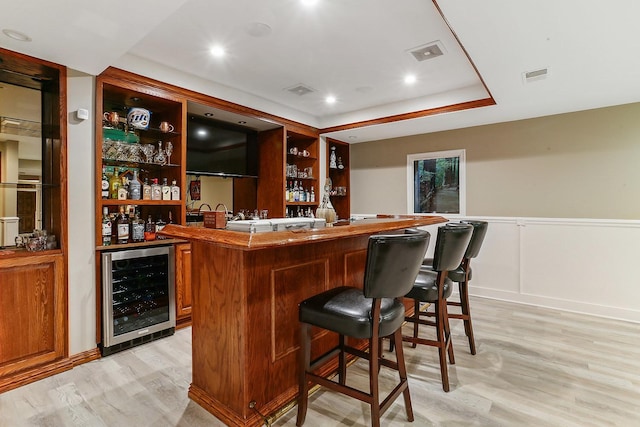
x=261, y=240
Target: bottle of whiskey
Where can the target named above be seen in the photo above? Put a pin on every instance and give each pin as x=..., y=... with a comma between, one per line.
x=114, y=184
x=137, y=227
x=156, y=190
x=150, y=229
x=175, y=190
x=166, y=190
x=146, y=190
x=159, y=226
x=135, y=190
x=122, y=224
x=106, y=227
x=105, y=183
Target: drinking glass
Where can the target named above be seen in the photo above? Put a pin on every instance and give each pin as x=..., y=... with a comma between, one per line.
x=160, y=158
x=169, y=150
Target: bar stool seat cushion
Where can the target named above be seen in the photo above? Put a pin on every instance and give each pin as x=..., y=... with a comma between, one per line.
x=346, y=311
x=425, y=287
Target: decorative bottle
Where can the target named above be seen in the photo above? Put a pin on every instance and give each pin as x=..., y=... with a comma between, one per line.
x=166, y=190
x=137, y=228
x=175, y=190
x=122, y=224
x=146, y=190
x=135, y=191
x=106, y=227
x=150, y=229
x=114, y=184
x=156, y=190
x=105, y=183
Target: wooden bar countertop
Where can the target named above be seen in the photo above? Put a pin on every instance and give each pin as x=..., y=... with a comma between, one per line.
x=268, y=239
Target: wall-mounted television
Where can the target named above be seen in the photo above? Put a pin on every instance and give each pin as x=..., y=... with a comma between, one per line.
x=220, y=149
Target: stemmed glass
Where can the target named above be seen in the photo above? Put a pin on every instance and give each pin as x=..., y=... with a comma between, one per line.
x=169, y=150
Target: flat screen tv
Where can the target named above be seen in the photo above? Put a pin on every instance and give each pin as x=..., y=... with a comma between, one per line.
x=221, y=149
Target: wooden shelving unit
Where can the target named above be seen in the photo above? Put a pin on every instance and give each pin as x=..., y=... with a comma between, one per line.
x=340, y=177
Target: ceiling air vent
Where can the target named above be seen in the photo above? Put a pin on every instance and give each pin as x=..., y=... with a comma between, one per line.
x=535, y=75
x=427, y=51
x=300, y=89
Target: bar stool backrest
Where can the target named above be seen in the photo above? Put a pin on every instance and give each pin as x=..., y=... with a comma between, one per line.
x=451, y=244
x=479, y=231
x=393, y=262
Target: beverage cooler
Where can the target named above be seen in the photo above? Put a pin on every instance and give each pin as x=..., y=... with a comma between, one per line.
x=137, y=297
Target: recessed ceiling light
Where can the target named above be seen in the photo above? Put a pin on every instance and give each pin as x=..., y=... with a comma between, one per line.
x=218, y=51
x=16, y=35
x=409, y=79
x=352, y=137
x=330, y=99
x=208, y=114
x=242, y=122
x=202, y=132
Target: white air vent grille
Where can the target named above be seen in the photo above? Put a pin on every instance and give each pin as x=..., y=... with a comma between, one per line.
x=300, y=89
x=535, y=75
x=427, y=51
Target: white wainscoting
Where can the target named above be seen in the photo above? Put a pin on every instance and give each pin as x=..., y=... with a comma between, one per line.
x=579, y=265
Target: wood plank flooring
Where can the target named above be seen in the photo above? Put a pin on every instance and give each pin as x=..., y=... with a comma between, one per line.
x=534, y=366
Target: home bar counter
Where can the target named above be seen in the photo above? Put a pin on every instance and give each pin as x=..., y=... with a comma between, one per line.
x=245, y=291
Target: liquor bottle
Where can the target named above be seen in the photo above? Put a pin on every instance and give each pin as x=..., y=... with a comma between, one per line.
x=122, y=224
x=137, y=227
x=156, y=190
x=105, y=183
x=286, y=191
x=123, y=190
x=303, y=194
x=146, y=190
x=114, y=184
x=291, y=191
x=175, y=190
x=296, y=192
x=135, y=191
x=150, y=229
x=312, y=196
x=166, y=190
x=307, y=195
x=159, y=226
x=106, y=227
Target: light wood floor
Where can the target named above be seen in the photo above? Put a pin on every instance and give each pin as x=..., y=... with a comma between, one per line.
x=534, y=367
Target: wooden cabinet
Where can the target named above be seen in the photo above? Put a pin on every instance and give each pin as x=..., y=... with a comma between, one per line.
x=124, y=149
x=338, y=169
x=33, y=285
x=183, y=284
x=279, y=150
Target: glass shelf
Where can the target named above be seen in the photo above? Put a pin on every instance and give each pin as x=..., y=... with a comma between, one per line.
x=27, y=185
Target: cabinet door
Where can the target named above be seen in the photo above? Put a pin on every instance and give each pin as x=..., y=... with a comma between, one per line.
x=33, y=309
x=183, y=284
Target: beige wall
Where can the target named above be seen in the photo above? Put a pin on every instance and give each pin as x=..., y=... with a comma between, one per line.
x=577, y=165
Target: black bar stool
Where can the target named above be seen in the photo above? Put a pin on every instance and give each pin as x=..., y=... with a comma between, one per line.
x=433, y=286
x=462, y=275
x=376, y=311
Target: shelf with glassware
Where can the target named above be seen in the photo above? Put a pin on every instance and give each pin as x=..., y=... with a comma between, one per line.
x=301, y=183
x=140, y=161
x=338, y=170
